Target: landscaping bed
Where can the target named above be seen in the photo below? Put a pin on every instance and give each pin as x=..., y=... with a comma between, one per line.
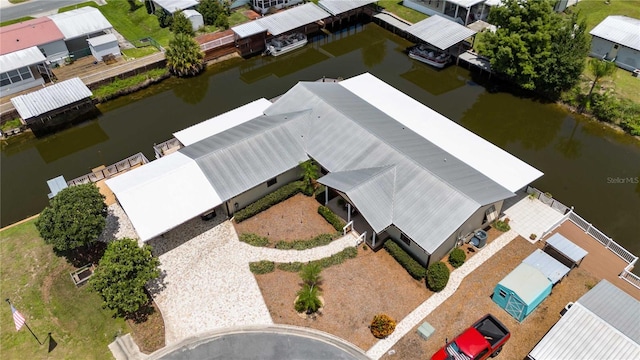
x=296, y=218
x=472, y=300
x=354, y=292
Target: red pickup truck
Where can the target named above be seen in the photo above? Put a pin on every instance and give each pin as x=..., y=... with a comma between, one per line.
x=482, y=340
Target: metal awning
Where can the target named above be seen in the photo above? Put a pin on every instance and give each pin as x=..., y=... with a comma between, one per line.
x=440, y=32
x=565, y=247
x=283, y=21
x=56, y=185
x=465, y=3
x=392, y=21
x=50, y=98
x=21, y=58
x=335, y=7
x=553, y=269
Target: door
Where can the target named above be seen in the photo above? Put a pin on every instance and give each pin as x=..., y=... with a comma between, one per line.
x=611, y=55
x=515, y=307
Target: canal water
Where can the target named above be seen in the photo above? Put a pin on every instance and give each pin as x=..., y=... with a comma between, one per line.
x=586, y=165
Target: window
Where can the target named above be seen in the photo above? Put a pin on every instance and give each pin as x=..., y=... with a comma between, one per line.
x=14, y=76
x=490, y=214
x=272, y=182
x=405, y=239
x=502, y=293
x=25, y=73
x=4, y=79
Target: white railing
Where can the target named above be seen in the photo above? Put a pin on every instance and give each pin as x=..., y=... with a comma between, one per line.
x=591, y=230
x=217, y=43
x=361, y=238
x=347, y=228
x=111, y=170
x=163, y=148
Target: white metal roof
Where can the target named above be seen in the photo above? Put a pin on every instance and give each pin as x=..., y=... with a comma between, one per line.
x=440, y=32
x=50, y=98
x=504, y=168
x=553, y=269
x=335, y=7
x=283, y=21
x=526, y=281
x=102, y=39
x=189, y=13
x=80, y=22
x=619, y=29
x=176, y=5
x=163, y=194
x=222, y=122
x=580, y=334
x=248, y=29
x=563, y=245
x=21, y=58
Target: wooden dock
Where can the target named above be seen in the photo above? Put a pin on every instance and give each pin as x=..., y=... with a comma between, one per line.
x=601, y=262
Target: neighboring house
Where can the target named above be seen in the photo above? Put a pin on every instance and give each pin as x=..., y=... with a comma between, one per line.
x=79, y=25
x=104, y=46
x=413, y=174
x=22, y=70
x=602, y=324
x=173, y=6
x=41, y=32
x=617, y=39
x=263, y=6
x=463, y=12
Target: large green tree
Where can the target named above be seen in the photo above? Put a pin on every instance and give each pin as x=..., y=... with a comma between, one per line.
x=535, y=47
x=122, y=273
x=181, y=25
x=74, y=218
x=184, y=57
x=210, y=9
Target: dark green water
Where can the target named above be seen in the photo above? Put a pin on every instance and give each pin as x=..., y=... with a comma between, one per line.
x=586, y=165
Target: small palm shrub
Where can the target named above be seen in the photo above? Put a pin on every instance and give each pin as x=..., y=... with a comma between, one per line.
x=437, y=276
x=502, y=225
x=310, y=273
x=308, y=299
x=457, y=257
x=382, y=326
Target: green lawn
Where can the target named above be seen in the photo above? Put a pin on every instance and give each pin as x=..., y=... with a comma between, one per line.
x=132, y=25
x=14, y=21
x=136, y=53
x=237, y=17
x=594, y=12
x=39, y=286
x=404, y=12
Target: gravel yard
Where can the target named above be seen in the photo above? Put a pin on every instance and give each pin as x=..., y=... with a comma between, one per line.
x=354, y=292
x=472, y=300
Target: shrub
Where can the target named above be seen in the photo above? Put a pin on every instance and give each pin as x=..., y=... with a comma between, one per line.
x=437, y=276
x=457, y=257
x=382, y=326
x=308, y=299
x=262, y=267
x=320, y=240
x=310, y=274
x=335, y=259
x=254, y=239
x=502, y=226
x=414, y=268
x=268, y=201
x=331, y=218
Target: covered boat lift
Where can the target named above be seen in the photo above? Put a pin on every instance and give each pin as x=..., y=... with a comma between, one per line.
x=37, y=109
x=251, y=37
x=440, y=32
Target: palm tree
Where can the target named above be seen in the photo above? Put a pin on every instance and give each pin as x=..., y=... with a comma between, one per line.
x=309, y=175
x=184, y=57
x=599, y=69
x=308, y=299
x=310, y=274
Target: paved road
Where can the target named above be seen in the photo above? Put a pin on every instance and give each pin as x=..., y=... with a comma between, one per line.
x=33, y=8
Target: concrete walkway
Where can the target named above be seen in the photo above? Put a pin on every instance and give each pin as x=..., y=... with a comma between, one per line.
x=417, y=316
x=206, y=284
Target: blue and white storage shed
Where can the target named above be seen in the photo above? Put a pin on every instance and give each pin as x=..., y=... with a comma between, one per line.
x=520, y=292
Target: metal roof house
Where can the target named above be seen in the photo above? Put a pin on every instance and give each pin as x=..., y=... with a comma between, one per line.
x=602, y=324
x=463, y=12
x=617, y=39
x=79, y=25
x=522, y=290
x=391, y=158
